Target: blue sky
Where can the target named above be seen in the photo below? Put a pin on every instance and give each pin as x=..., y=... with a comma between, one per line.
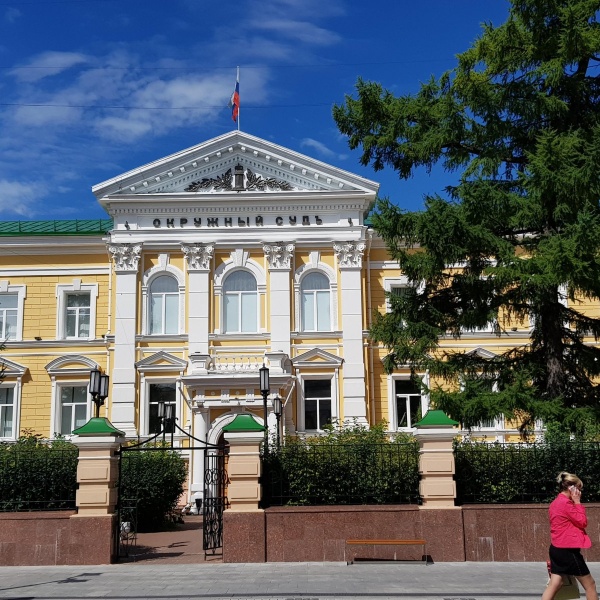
x=92, y=88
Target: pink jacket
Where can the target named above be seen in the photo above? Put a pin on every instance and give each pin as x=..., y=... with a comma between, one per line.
x=567, y=524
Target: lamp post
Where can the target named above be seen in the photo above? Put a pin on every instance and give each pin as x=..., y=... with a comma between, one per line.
x=98, y=388
x=264, y=390
x=278, y=409
x=166, y=414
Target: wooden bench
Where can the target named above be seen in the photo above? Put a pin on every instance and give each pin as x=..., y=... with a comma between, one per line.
x=426, y=559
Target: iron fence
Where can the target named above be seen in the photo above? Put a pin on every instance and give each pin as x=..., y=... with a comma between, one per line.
x=313, y=475
x=523, y=473
x=38, y=478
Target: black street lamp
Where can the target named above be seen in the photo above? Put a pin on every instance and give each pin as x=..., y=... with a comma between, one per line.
x=264, y=390
x=278, y=409
x=166, y=413
x=98, y=388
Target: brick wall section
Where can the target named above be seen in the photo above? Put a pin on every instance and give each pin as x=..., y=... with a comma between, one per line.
x=54, y=538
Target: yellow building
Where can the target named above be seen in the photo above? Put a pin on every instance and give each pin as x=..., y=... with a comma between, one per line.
x=214, y=261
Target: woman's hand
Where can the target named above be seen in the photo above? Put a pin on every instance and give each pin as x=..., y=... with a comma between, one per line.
x=575, y=494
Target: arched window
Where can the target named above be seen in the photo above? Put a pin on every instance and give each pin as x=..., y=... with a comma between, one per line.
x=164, y=305
x=315, y=302
x=240, y=303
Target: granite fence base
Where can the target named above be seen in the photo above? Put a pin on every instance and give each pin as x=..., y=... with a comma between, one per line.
x=503, y=533
x=55, y=538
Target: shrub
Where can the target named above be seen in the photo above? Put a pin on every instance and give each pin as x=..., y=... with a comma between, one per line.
x=350, y=465
x=37, y=475
x=152, y=479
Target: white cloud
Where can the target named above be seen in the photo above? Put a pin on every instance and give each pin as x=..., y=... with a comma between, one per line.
x=321, y=149
x=17, y=199
x=303, y=31
x=47, y=64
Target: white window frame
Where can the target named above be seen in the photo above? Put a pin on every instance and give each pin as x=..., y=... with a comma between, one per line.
x=392, y=404
x=16, y=392
x=240, y=260
x=57, y=404
x=324, y=269
x=163, y=268
x=146, y=382
x=239, y=294
x=62, y=290
x=315, y=293
x=21, y=293
x=163, y=316
x=333, y=378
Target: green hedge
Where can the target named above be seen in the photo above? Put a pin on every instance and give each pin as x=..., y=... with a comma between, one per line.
x=152, y=482
x=523, y=473
x=346, y=466
x=35, y=475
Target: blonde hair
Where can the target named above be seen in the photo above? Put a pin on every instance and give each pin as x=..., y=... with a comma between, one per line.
x=566, y=480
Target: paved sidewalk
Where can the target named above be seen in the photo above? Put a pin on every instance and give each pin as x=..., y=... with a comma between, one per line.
x=282, y=581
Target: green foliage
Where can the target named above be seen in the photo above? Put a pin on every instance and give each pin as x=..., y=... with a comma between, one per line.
x=35, y=475
x=152, y=480
x=350, y=465
x=515, y=473
x=518, y=121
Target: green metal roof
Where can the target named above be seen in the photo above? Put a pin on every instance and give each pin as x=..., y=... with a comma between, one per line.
x=436, y=418
x=98, y=426
x=243, y=423
x=78, y=227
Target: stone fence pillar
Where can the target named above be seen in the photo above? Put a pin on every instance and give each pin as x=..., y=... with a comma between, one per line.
x=96, y=499
x=435, y=434
x=244, y=531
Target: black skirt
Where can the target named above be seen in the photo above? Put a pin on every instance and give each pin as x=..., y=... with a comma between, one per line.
x=567, y=561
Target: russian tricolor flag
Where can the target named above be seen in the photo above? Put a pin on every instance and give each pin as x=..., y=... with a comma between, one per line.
x=234, y=103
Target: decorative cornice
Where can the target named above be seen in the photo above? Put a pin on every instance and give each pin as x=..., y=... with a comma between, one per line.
x=198, y=256
x=279, y=254
x=126, y=256
x=349, y=254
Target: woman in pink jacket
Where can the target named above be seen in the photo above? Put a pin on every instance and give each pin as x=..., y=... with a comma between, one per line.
x=567, y=532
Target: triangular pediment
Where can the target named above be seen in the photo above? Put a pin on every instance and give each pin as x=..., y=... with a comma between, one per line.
x=12, y=369
x=234, y=163
x=481, y=353
x=317, y=358
x=161, y=361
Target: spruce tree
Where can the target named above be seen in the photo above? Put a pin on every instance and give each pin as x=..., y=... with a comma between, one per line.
x=514, y=241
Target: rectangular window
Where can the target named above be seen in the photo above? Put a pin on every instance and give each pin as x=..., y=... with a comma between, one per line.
x=249, y=311
x=9, y=307
x=77, y=317
x=408, y=404
x=315, y=311
x=317, y=403
x=73, y=408
x=160, y=393
x=7, y=412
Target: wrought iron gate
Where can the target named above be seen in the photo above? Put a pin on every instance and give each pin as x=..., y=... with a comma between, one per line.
x=214, y=459
x=215, y=498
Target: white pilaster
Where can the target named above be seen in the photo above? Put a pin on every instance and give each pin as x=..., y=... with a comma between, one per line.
x=198, y=259
x=279, y=256
x=199, y=431
x=349, y=256
x=126, y=258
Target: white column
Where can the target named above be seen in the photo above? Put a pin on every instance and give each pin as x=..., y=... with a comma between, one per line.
x=279, y=256
x=198, y=266
x=349, y=257
x=199, y=431
x=126, y=258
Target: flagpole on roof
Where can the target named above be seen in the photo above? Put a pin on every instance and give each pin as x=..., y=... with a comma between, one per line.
x=238, y=81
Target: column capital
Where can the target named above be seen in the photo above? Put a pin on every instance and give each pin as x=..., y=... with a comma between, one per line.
x=198, y=256
x=125, y=256
x=349, y=254
x=279, y=255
